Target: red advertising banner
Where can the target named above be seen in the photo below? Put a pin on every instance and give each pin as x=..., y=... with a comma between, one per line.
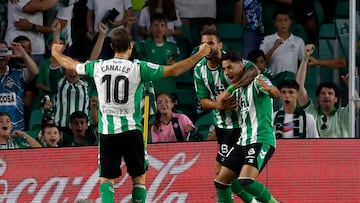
x=315, y=170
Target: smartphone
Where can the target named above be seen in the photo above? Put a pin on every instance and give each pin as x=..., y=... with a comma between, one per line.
x=110, y=15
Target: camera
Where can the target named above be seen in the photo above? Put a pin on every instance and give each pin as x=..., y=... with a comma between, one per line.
x=6, y=52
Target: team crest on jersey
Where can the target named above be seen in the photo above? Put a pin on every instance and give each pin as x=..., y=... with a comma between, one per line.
x=9, y=83
x=152, y=65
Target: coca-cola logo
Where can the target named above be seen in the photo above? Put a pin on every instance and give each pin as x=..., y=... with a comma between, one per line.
x=166, y=181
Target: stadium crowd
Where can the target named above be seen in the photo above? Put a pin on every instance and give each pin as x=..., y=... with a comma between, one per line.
x=45, y=105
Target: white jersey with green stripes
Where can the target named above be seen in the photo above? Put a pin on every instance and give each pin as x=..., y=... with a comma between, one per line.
x=255, y=107
x=119, y=83
x=209, y=83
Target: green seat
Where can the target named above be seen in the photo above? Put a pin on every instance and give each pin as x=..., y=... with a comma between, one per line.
x=231, y=34
x=186, y=102
x=203, y=124
x=35, y=120
x=184, y=42
x=327, y=31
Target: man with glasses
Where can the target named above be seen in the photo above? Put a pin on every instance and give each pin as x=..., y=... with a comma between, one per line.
x=332, y=121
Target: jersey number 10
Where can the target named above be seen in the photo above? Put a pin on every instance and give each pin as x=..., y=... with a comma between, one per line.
x=119, y=97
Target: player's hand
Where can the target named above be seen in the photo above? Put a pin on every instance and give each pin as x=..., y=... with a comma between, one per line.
x=204, y=49
x=309, y=49
x=102, y=30
x=56, y=48
x=229, y=102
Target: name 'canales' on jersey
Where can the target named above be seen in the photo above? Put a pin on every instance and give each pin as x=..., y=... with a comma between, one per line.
x=119, y=83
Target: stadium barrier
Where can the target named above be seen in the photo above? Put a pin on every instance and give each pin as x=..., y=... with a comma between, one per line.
x=312, y=170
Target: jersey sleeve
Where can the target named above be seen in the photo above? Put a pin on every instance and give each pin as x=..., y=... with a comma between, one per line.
x=258, y=86
x=201, y=91
x=150, y=71
x=87, y=68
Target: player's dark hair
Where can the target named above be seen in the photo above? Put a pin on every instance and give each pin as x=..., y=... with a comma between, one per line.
x=288, y=83
x=232, y=55
x=78, y=114
x=120, y=40
x=211, y=32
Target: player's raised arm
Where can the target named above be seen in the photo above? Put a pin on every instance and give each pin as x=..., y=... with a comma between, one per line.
x=186, y=64
x=65, y=61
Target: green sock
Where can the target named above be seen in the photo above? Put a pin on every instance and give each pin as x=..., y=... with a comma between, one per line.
x=107, y=192
x=224, y=195
x=239, y=191
x=138, y=193
x=260, y=191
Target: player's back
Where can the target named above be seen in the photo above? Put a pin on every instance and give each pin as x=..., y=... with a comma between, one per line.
x=119, y=87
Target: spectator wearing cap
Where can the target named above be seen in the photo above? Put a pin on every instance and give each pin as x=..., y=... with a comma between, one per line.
x=50, y=71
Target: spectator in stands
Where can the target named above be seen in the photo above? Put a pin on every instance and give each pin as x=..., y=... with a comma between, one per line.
x=114, y=13
x=165, y=7
x=158, y=50
x=70, y=86
x=13, y=139
x=332, y=121
x=305, y=13
x=50, y=71
x=3, y=18
x=283, y=50
x=63, y=15
x=30, y=90
x=258, y=57
x=25, y=17
x=138, y=5
x=81, y=134
x=249, y=14
x=50, y=135
x=169, y=126
x=14, y=81
x=196, y=11
x=291, y=121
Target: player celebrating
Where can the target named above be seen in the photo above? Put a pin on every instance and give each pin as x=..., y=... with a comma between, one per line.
x=119, y=83
x=257, y=141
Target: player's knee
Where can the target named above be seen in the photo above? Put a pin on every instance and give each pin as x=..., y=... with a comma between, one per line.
x=245, y=181
x=220, y=185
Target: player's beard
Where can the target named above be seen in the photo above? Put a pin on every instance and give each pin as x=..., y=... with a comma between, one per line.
x=213, y=55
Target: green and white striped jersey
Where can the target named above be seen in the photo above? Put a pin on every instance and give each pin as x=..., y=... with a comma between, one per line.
x=119, y=83
x=209, y=83
x=255, y=108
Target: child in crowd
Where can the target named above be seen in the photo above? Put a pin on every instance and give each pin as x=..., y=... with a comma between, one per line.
x=169, y=126
x=258, y=57
x=50, y=135
x=15, y=139
x=283, y=50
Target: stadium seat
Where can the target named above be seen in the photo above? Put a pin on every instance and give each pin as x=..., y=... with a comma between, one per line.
x=35, y=119
x=231, y=34
x=203, y=124
x=186, y=101
x=184, y=42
